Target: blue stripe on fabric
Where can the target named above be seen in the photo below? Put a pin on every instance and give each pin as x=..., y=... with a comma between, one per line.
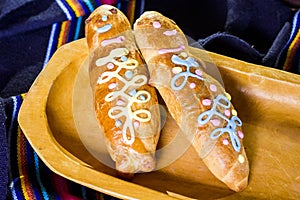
x=29, y=150
x=50, y=44
x=14, y=114
x=19, y=102
x=72, y=28
x=65, y=9
x=119, y=5
x=16, y=106
x=98, y=3
x=78, y=27
x=294, y=30
x=89, y=5
x=36, y=194
x=16, y=194
x=12, y=189
x=293, y=34
x=84, y=6
x=295, y=24
x=31, y=162
x=38, y=176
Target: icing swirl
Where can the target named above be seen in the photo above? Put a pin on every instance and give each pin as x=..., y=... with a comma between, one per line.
x=104, y=28
x=222, y=102
x=188, y=63
x=129, y=97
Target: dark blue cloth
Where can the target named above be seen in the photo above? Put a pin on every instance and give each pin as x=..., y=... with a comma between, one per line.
x=257, y=22
x=250, y=30
x=24, y=31
x=231, y=45
x=254, y=31
x=3, y=152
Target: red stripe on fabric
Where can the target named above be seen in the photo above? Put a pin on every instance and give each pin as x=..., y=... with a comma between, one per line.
x=64, y=32
x=289, y=59
x=76, y=7
x=291, y=52
x=26, y=186
x=108, y=2
x=61, y=186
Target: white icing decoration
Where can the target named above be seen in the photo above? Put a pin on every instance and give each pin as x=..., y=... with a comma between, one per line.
x=132, y=92
x=104, y=28
x=225, y=142
x=241, y=134
x=119, y=39
x=192, y=85
x=233, y=112
x=112, y=86
x=241, y=158
x=112, y=55
x=131, y=97
x=128, y=74
x=228, y=96
x=123, y=58
x=198, y=72
x=118, y=123
x=183, y=54
x=176, y=70
x=227, y=112
x=120, y=102
x=110, y=66
x=136, y=124
x=188, y=63
x=213, y=87
x=156, y=25
x=206, y=102
x=142, y=97
x=215, y=122
x=104, y=18
x=171, y=50
x=232, y=123
x=170, y=33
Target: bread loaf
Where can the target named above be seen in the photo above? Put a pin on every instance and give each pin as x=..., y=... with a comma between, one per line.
x=197, y=101
x=126, y=106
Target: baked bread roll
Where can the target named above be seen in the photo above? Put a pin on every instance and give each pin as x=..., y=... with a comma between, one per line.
x=126, y=106
x=197, y=101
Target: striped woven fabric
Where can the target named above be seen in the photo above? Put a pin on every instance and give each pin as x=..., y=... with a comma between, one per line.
x=289, y=59
x=28, y=177
x=76, y=12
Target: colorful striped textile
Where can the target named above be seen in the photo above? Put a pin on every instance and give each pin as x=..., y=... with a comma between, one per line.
x=289, y=58
x=76, y=12
x=28, y=177
x=63, y=32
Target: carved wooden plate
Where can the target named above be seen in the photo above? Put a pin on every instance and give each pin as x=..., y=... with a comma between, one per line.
x=58, y=120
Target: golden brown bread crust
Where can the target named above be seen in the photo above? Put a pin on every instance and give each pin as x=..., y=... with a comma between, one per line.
x=126, y=106
x=197, y=101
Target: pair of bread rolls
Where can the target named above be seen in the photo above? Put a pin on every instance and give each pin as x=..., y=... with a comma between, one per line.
x=128, y=68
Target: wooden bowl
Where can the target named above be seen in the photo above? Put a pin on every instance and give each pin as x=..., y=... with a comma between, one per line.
x=58, y=120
